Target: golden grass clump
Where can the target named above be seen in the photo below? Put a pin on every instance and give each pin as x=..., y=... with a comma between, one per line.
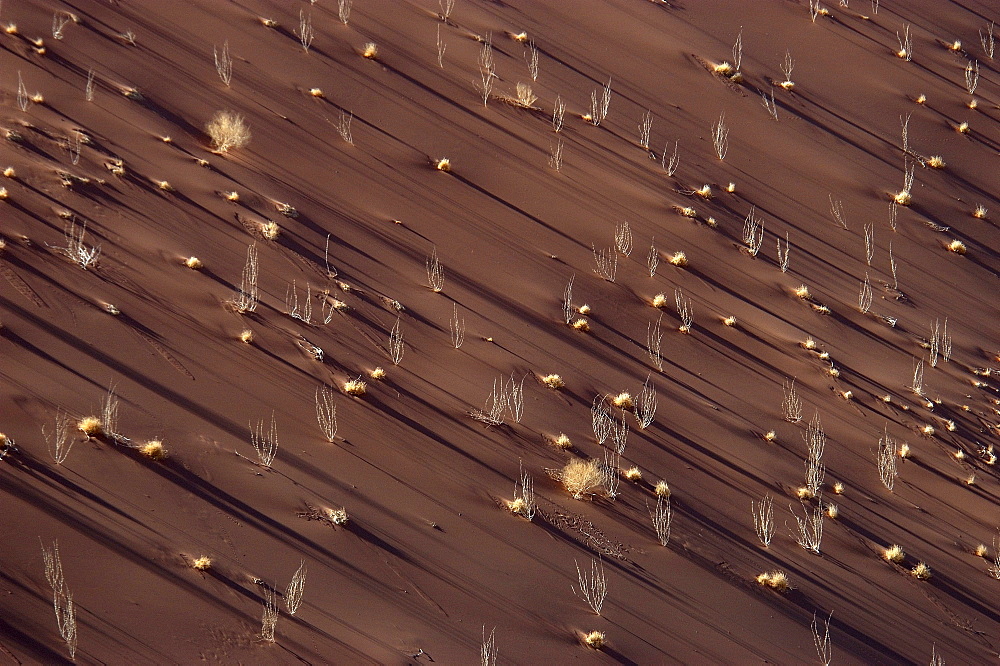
x=833, y=371
x=562, y=442
x=246, y=336
x=920, y=99
x=686, y=211
x=581, y=477
x=633, y=474
x=90, y=426
x=660, y=301
x=804, y=493
x=154, y=450
x=370, y=51
x=962, y=128
x=227, y=130
x=678, y=259
x=443, y=164
x=553, y=381
x=355, y=387
x=164, y=185
x=194, y=263
x=776, y=580
x=581, y=324
x=893, y=553
x=270, y=230
x=377, y=374
x=517, y=506
x=802, y=292
x=338, y=516
x=731, y=187
x=724, y=68
x=705, y=192
x=838, y=488
x=623, y=400
x=584, y=309
x=233, y=196
x=316, y=92
x=957, y=246
x=928, y=430
x=904, y=451
x=980, y=550
x=921, y=571
x=809, y=344
x=847, y=395
x=935, y=162
x=770, y=436
x=980, y=212
x=595, y=639
x=832, y=511
x=9, y=173
x=202, y=563
x=729, y=321
x=521, y=37
x=662, y=489
x=903, y=198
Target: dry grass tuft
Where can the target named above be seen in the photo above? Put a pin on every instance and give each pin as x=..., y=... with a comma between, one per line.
x=776, y=580
x=678, y=259
x=270, y=230
x=921, y=571
x=202, y=563
x=957, y=246
x=553, y=381
x=355, y=387
x=154, y=450
x=377, y=374
x=662, y=489
x=194, y=263
x=935, y=162
x=581, y=324
x=633, y=474
x=832, y=511
x=581, y=477
x=729, y=321
x=9, y=173
x=962, y=128
x=595, y=639
x=246, y=336
x=443, y=164
x=660, y=301
x=893, y=553
x=623, y=400
x=370, y=51
x=562, y=442
x=90, y=426
x=980, y=212
x=802, y=292
x=686, y=211
x=980, y=550
x=227, y=130
x=770, y=436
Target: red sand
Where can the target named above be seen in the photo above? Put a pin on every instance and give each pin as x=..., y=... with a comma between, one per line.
x=430, y=556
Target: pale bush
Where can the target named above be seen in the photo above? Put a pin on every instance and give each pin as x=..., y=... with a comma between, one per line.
x=227, y=130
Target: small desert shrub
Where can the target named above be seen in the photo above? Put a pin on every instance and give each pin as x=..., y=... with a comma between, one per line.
x=270, y=230
x=581, y=324
x=246, y=336
x=980, y=550
x=584, y=309
x=832, y=511
x=633, y=474
x=921, y=571
x=776, y=580
x=443, y=164
x=90, y=426
x=194, y=263
x=370, y=51
x=355, y=387
x=9, y=172
x=802, y=292
x=153, y=449
x=553, y=381
x=377, y=374
x=660, y=301
x=686, y=211
x=562, y=442
x=678, y=259
x=316, y=92
x=338, y=516
x=962, y=128
x=202, y=563
x=980, y=212
x=233, y=196
x=770, y=436
x=838, y=488
x=935, y=162
x=581, y=477
x=227, y=130
x=957, y=246
x=893, y=553
x=928, y=430
x=662, y=489
x=595, y=639
x=809, y=344
x=729, y=321
x=921, y=99
x=623, y=400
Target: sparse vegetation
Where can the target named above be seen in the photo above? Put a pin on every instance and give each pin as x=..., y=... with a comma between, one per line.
x=228, y=130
